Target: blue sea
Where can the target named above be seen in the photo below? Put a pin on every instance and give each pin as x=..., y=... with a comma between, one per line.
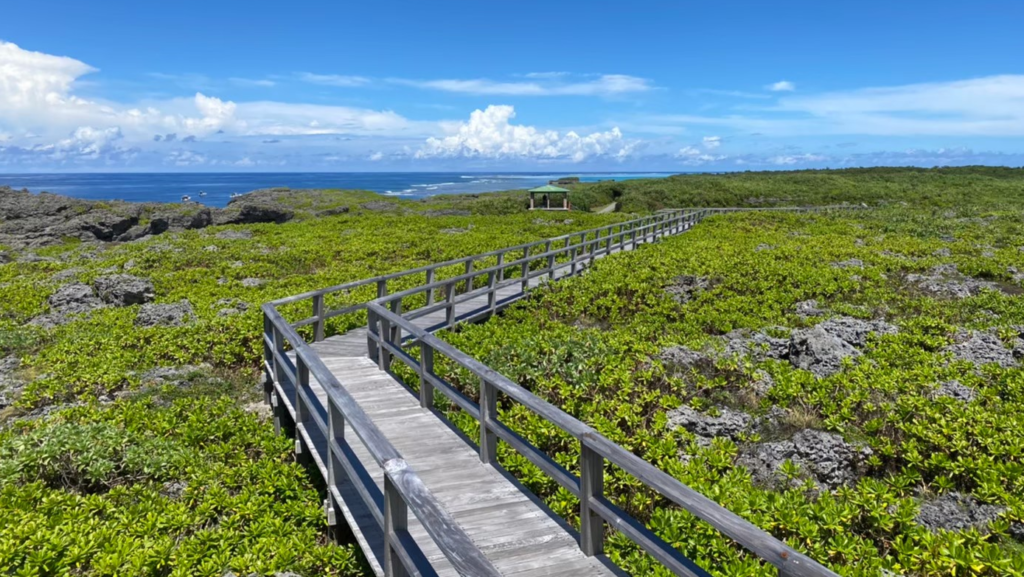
x=170, y=187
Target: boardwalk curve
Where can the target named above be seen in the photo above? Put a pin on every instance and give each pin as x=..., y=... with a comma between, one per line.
x=417, y=495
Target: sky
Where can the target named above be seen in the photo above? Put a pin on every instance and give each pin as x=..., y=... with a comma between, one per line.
x=456, y=85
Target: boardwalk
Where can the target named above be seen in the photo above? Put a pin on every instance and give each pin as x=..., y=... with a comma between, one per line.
x=513, y=529
x=385, y=452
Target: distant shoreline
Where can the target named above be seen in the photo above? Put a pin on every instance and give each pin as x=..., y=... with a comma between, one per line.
x=171, y=187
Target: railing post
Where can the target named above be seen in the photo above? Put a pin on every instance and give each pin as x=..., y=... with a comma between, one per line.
x=469, y=281
x=593, y=247
x=383, y=354
x=492, y=292
x=426, y=368
x=336, y=433
x=430, y=291
x=318, y=312
x=396, y=330
x=268, y=356
x=301, y=410
x=279, y=373
x=382, y=288
x=372, y=329
x=396, y=518
x=501, y=268
x=551, y=261
x=526, y=269
x=591, y=487
x=488, y=415
x=449, y=297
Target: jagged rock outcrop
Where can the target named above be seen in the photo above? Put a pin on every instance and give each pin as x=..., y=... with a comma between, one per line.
x=68, y=301
x=982, y=348
x=819, y=351
x=947, y=281
x=30, y=220
x=124, y=290
x=727, y=423
x=955, y=390
x=166, y=315
x=956, y=512
x=685, y=287
x=10, y=384
x=825, y=457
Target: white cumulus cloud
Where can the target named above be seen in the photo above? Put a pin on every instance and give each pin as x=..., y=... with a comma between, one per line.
x=781, y=86
x=490, y=133
x=712, y=142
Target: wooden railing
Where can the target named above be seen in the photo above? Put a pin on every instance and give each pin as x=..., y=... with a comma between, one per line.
x=319, y=434
x=319, y=429
x=594, y=242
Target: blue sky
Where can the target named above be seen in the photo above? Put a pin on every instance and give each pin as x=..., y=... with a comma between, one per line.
x=200, y=86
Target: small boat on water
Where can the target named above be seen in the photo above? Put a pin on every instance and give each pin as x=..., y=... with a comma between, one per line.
x=202, y=193
x=186, y=198
x=236, y=194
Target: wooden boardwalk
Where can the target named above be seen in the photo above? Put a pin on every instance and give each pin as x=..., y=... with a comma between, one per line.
x=511, y=526
x=420, y=497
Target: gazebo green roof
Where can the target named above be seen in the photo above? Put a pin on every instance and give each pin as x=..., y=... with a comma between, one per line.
x=548, y=188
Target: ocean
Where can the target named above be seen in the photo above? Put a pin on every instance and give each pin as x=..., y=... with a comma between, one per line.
x=170, y=187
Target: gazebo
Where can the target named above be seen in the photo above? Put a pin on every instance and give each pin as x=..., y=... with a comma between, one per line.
x=547, y=191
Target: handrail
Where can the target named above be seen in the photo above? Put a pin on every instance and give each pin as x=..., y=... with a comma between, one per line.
x=403, y=489
x=789, y=561
x=320, y=314
x=386, y=338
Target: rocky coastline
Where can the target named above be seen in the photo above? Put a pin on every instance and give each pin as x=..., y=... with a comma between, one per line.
x=30, y=220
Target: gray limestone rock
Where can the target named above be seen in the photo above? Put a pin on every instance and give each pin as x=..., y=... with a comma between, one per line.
x=825, y=457
x=982, y=349
x=851, y=263
x=728, y=423
x=955, y=390
x=947, y=281
x=234, y=234
x=125, y=290
x=856, y=331
x=230, y=307
x=818, y=351
x=682, y=360
x=957, y=512
x=754, y=344
x=685, y=287
x=167, y=315
x=809, y=308
x=10, y=384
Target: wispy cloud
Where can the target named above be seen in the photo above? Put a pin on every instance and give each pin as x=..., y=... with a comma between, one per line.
x=731, y=93
x=781, y=86
x=546, y=75
x=253, y=82
x=989, y=106
x=604, y=85
x=333, y=79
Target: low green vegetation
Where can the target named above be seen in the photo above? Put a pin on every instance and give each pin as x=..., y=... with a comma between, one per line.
x=966, y=187
x=108, y=466
x=597, y=346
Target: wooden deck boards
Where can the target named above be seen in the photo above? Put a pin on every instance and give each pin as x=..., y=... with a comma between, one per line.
x=514, y=531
